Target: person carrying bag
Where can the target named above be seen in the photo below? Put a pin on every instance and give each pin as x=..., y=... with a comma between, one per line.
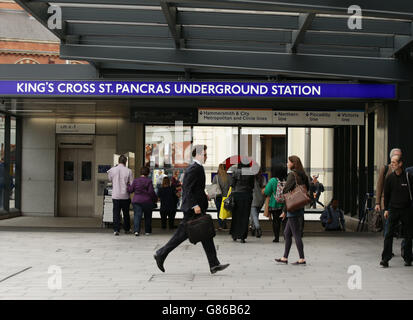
x=196, y=225
x=200, y=229
x=223, y=181
x=275, y=199
x=296, y=197
x=226, y=211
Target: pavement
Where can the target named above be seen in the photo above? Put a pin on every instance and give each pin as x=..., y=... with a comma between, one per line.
x=45, y=264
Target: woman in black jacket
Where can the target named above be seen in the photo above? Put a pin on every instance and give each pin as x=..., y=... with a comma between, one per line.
x=242, y=185
x=293, y=228
x=169, y=200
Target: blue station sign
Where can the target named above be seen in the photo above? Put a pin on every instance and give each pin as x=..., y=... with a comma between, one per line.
x=196, y=89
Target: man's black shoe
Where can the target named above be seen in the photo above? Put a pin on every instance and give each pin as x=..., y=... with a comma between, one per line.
x=219, y=267
x=384, y=264
x=408, y=264
x=159, y=262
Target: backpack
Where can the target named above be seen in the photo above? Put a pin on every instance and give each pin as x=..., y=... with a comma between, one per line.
x=279, y=196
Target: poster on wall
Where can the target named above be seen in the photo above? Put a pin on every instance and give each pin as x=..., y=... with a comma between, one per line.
x=168, y=155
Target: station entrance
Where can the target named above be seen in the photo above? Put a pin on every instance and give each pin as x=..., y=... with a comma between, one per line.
x=168, y=148
x=160, y=134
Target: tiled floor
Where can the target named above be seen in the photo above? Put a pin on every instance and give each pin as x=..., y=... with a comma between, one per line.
x=97, y=265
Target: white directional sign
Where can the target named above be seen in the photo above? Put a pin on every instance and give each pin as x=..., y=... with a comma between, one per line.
x=235, y=116
x=280, y=117
x=350, y=118
x=289, y=118
x=318, y=118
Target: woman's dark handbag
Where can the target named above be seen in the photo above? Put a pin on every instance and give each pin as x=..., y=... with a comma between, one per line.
x=200, y=229
x=229, y=202
x=297, y=198
x=375, y=221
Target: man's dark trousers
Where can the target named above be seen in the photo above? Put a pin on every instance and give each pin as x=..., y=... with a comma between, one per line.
x=395, y=216
x=180, y=236
x=315, y=201
x=124, y=206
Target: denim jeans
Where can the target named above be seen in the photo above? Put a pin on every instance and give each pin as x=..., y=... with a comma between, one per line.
x=254, y=217
x=139, y=210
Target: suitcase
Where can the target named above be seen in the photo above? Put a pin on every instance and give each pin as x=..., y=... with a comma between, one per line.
x=200, y=229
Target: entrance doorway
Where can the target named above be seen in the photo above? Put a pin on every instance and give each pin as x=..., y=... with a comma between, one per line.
x=267, y=146
x=76, y=177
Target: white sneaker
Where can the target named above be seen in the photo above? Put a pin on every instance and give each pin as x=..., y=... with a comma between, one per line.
x=137, y=234
x=116, y=233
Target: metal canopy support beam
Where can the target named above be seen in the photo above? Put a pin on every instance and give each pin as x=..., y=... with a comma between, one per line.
x=304, y=21
x=399, y=9
x=329, y=49
x=227, y=19
x=381, y=26
x=401, y=43
x=229, y=35
x=249, y=62
x=170, y=12
x=109, y=14
x=190, y=32
x=108, y=2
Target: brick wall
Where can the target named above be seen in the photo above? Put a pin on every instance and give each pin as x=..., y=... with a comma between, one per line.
x=14, y=51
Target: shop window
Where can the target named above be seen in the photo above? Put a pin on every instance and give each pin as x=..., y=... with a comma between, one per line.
x=167, y=148
x=266, y=146
x=222, y=143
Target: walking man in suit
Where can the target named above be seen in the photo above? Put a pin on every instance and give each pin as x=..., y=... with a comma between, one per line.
x=194, y=203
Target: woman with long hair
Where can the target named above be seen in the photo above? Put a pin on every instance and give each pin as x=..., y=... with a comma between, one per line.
x=293, y=228
x=242, y=186
x=258, y=200
x=278, y=175
x=175, y=182
x=223, y=179
x=169, y=199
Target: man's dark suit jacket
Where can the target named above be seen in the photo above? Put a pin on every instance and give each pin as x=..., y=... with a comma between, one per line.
x=193, y=189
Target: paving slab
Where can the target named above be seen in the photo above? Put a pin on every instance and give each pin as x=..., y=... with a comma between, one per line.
x=97, y=265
